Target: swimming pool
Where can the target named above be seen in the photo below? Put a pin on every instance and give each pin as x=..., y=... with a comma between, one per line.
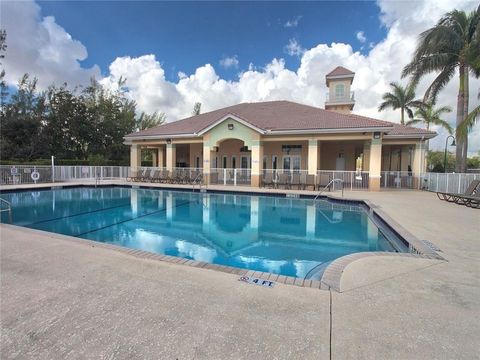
x=286, y=236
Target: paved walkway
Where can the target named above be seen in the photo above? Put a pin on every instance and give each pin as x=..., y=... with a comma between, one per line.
x=67, y=299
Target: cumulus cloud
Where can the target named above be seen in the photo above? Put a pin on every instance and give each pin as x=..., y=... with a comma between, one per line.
x=229, y=61
x=39, y=46
x=292, y=23
x=361, y=36
x=48, y=51
x=293, y=48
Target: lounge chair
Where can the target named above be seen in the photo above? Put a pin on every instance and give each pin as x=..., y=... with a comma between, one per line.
x=295, y=180
x=472, y=201
x=453, y=197
x=309, y=181
x=284, y=180
x=268, y=180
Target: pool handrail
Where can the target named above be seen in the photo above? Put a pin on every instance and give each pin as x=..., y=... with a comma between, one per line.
x=328, y=185
x=9, y=209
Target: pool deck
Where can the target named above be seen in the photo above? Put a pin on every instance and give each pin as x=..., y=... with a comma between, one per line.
x=62, y=298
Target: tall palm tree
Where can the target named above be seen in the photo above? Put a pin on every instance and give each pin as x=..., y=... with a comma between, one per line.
x=452, y=44
x=470, y=120
x=400, y=98
x=428, y=115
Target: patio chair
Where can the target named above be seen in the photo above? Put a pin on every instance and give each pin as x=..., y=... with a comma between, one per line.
x=268, y=180
x=453, y=197
x=472, y=201
x=284, y=180
x=139, y=176
x=295, y=181
x=214, y=178
x=309, y=181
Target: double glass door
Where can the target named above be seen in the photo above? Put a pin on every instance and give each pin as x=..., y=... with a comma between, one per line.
x=291, y=163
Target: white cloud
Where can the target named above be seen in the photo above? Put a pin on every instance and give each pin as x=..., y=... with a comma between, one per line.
x=43, y=48
x=293, y=22
x=361, y=36
x=229, y=61
x=293, y=48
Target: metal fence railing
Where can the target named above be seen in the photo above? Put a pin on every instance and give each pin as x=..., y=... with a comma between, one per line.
x=448, y=182
x=400, y=180
x=278, y=178
x=229, y=176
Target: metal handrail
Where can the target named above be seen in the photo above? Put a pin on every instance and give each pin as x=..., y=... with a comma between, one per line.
x=9, y=209
x=328, y=185
x=195, y=181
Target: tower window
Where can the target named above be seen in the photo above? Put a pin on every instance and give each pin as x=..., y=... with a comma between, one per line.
x=339, y=91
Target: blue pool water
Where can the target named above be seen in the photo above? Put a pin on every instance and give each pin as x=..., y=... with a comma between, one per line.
x=293, y=237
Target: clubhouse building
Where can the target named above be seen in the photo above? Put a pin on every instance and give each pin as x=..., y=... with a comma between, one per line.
x=283, y=136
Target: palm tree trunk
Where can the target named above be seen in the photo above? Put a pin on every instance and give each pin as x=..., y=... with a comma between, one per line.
x=465, y=113
x=460, y=116
x=402, y=121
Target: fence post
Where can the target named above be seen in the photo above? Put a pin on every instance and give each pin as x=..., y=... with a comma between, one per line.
x=235, y=177
x=224, y=176
x=53, y=169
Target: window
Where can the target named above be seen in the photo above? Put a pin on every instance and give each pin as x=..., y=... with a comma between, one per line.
x=339, y=91
x=292, y=163
x=216, y=162
x=244, y=162
x=197, y=162
x=224, y=162
x=234, y=162
x=274, y=162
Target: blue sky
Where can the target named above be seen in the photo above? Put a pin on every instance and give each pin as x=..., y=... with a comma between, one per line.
x=185, y=35
x=291, y=46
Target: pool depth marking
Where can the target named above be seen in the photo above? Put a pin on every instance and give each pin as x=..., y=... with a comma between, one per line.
x=134, y=218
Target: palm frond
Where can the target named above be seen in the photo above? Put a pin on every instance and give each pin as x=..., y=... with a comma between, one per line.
x=438, y=84
x=465, y=126
x=413, y=122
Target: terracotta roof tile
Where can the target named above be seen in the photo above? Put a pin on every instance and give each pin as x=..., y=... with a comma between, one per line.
x=271, y=116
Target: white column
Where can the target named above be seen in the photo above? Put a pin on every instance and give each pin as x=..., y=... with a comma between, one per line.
x=375, y=165
x=206, y=163
x=312, y=156
x=171, y=156
x=257, y=163
x=135, y=159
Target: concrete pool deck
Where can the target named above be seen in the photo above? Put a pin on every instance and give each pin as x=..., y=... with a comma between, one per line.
x=69, y=299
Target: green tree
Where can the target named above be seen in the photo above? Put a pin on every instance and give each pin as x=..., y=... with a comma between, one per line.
x=21, y=122
x=427, y=115
x=452, y=44
x=3, y=85
x=147, y=121
x=197, y=108
x=400, y=98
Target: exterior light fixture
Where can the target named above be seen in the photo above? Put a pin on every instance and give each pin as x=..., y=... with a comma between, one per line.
x=169, y=141
x=446, y=145
x=215, y=148
x=230, y=126
x=376, y=135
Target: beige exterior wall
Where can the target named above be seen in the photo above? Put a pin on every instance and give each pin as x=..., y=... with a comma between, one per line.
x=318, y=152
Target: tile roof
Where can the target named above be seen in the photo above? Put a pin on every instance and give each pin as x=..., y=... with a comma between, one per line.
x=339, y=71
x=270, y=117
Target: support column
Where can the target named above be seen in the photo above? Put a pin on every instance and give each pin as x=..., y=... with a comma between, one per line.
x=257, y=163
x=419, y=165
x=366, y=156
x=375, y=163
x=154, y=157
x=161, y=152
x=206, y=163
x=135, y=159
x=312, y=156
x=171, y=156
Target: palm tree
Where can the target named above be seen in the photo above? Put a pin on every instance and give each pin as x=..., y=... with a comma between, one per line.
x=428, y=115
x=470, y=120
x=452, y=44
x=400, y=98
